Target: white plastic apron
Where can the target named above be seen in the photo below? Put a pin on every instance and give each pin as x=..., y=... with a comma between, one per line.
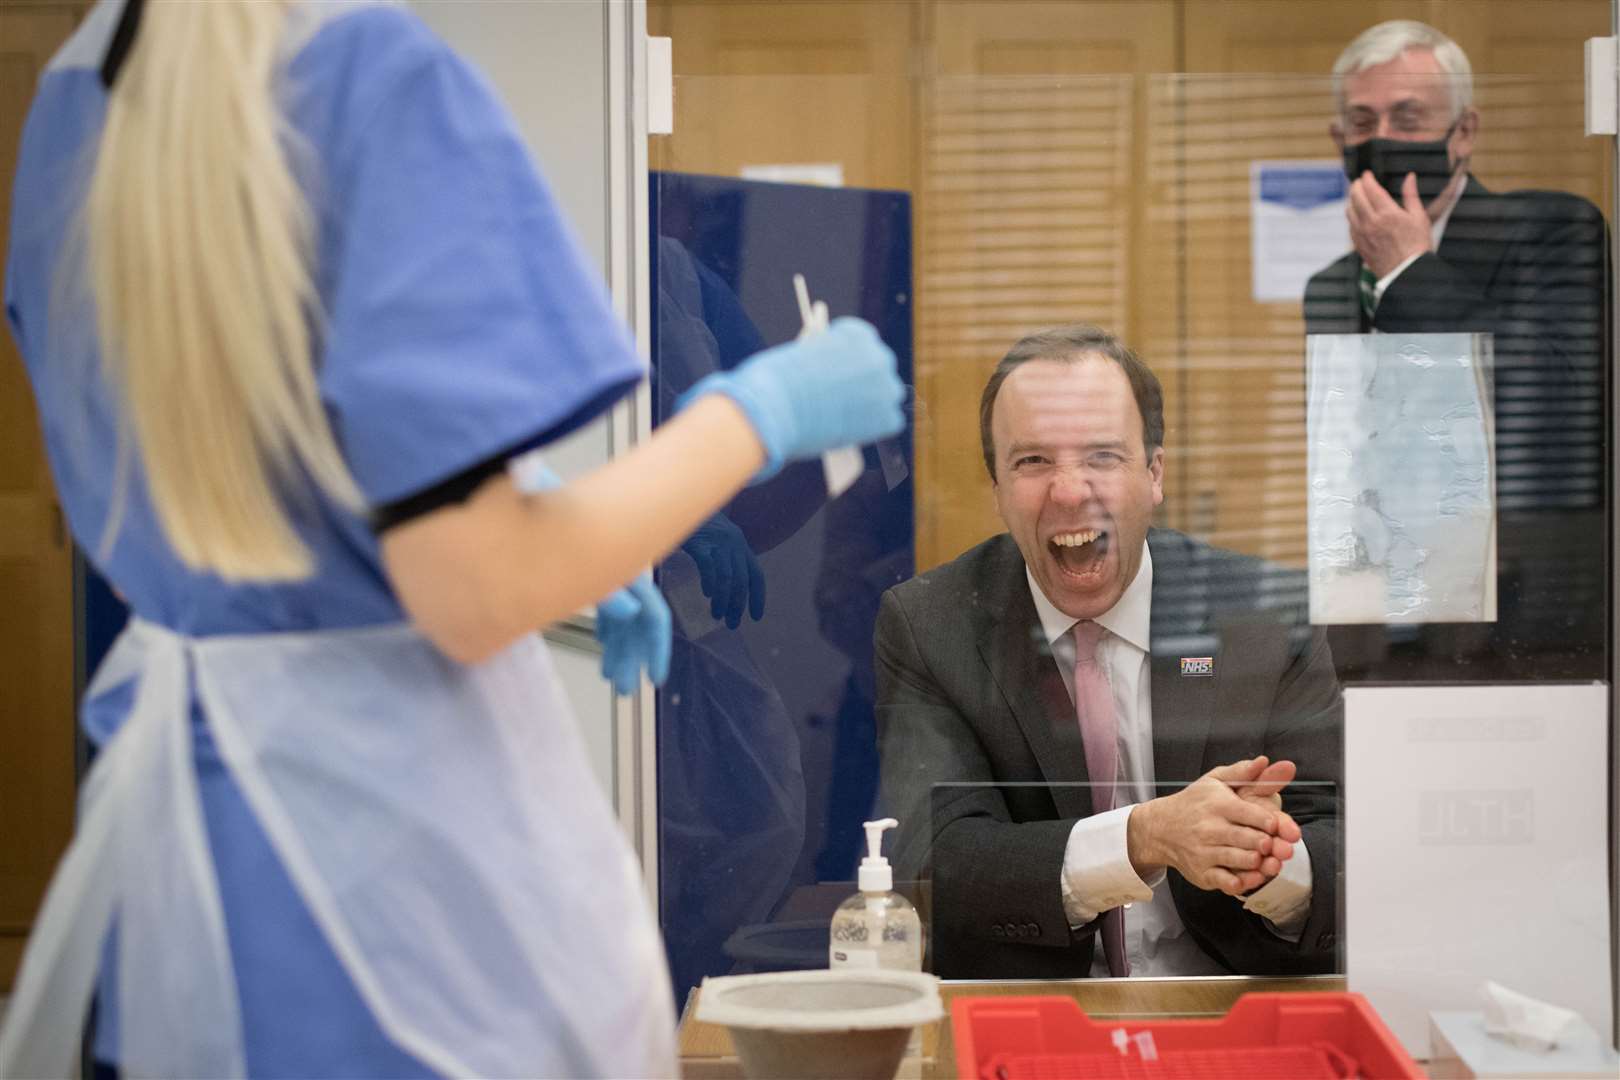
x=440, y=823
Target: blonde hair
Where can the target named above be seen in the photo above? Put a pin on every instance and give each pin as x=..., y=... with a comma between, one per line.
x=200, y=255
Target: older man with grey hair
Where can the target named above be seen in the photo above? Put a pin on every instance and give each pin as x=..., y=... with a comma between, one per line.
x=1406, y=127
x=1435, y=251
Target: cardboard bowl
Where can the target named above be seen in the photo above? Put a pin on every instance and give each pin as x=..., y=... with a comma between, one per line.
x=829, y=1025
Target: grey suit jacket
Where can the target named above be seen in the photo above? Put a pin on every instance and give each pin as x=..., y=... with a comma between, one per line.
x=981, y=753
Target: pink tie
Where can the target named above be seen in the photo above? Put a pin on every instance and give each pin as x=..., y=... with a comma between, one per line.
x=1094, y=702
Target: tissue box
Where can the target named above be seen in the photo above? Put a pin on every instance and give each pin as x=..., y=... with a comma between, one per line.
x=1461, y=1047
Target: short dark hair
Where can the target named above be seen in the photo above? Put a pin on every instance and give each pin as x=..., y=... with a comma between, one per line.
x=1070, y=343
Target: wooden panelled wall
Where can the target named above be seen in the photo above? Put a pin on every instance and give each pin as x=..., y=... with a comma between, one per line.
x=1089, y=161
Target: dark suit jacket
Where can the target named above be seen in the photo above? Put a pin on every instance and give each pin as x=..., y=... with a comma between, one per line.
x=974, y=723
x=1530, y=268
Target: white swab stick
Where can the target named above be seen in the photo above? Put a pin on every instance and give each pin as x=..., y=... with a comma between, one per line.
x=843, y=466
x=807, y=314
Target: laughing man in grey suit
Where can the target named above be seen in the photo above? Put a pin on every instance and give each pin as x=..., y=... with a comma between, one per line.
x=1225, y=703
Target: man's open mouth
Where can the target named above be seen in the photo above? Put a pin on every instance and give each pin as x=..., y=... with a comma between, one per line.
x=1080, y=553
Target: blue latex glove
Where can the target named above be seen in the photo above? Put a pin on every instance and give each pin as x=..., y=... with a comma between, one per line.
x=729, y=573
x=633, y=626
x=837, y=388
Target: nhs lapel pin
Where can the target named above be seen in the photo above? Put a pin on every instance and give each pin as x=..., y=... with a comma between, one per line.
x=1198, y=666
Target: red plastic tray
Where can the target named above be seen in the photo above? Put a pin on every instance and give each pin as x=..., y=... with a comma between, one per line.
x=1336, y=1036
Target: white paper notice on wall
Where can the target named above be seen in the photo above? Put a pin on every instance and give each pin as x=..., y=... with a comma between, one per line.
x=1296, y=224
x=1400, y=466
x=1476, y=847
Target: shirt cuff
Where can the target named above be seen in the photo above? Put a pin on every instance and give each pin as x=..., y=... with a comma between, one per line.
x=1389, y=279
x=1097, y=873
x=1285, y=901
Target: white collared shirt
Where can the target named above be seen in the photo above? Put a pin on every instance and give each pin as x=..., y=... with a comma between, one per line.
x=1097, y=872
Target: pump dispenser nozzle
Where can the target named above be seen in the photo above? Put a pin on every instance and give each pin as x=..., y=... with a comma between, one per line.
x=875, y=874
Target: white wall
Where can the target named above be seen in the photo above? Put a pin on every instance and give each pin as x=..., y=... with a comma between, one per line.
x=548, y=61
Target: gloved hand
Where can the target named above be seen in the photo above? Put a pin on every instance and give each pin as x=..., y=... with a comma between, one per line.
x=832, y=389
x=729, y=573
x=633, y=626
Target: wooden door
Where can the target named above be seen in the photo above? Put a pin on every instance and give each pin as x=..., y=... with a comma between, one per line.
x=1039, y=202
x=1530, y=89
x=36, y=563
x=789, y=83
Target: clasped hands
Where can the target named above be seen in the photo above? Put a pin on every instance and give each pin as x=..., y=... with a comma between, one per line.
x=1225, y=832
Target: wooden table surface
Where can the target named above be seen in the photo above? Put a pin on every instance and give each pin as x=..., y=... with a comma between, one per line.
x=707, y=1054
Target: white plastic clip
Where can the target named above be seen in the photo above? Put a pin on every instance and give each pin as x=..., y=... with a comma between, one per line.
x=660, y=86
x=1602, y=88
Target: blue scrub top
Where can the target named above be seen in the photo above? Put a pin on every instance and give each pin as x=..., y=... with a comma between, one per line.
x=462, y=323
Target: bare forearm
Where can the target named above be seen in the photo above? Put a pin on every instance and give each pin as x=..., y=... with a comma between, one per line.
x=608, y=525
x=475, y=577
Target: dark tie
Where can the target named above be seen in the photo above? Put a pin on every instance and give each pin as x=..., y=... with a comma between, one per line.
x=1099, y=727
x=1368, y=283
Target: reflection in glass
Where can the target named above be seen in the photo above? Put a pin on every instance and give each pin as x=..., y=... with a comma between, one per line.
x=1063, y=172
x=766, y=760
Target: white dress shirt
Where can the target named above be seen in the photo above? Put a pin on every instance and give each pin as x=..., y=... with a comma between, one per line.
x=1097, y=872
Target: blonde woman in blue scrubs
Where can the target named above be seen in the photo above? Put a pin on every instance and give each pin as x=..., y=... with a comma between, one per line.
x=291, y=297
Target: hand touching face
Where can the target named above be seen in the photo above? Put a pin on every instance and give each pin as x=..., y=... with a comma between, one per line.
x=1384, y=232
x=1402, y=110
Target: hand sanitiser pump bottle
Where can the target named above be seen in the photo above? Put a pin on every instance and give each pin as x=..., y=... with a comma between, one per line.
x=877, y=927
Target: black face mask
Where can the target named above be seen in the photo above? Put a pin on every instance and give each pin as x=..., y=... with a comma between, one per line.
x=1389, y=160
